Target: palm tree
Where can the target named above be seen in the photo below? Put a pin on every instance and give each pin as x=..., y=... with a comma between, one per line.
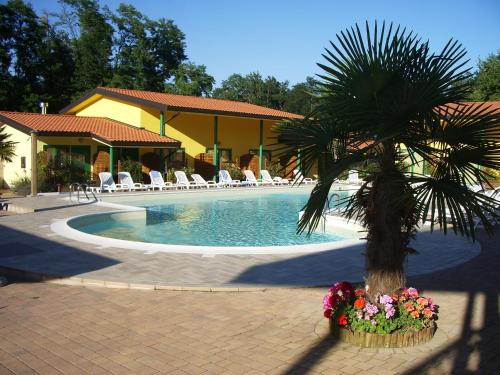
x=7, y=148
x=385, y=99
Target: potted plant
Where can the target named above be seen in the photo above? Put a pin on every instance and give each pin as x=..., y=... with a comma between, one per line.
x=404, y=318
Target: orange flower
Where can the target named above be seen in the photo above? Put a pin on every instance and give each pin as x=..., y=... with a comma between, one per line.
x=359, y=303
x=422, y=301
x=415, y=314
x=428, y=313
x=409, y=306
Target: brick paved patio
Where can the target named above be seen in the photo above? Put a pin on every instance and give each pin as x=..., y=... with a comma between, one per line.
x=52, y=329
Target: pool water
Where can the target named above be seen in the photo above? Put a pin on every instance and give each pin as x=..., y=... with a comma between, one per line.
x=258, y=220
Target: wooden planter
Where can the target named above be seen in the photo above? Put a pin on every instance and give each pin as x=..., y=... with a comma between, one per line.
x=375, y=340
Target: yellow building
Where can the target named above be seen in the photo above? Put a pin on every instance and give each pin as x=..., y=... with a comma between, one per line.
x=175, y=130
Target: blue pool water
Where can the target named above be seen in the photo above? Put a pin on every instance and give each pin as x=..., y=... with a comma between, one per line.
x=264, y=220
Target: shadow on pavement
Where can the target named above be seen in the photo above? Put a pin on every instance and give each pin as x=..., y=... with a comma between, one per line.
x=36, y=254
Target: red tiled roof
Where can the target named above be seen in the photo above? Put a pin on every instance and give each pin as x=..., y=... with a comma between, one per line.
x=492, y=106
x=109, y=131
x=185, y=103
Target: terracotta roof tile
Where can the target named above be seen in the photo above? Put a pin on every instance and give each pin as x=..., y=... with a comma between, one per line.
x=197, y=104
x=493, y=106
x=107, y=130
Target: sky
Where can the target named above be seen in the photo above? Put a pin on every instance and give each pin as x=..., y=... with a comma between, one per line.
x=285, y=38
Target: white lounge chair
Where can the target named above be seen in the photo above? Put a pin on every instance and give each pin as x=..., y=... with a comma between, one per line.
x=108, y=184
x=201, y=182
x=182, y=180
x=126, y=180
x=353, y=177
x=250, y=178
x=157, y=181
x=299, y=178
x=266, y=178
x=226, y=180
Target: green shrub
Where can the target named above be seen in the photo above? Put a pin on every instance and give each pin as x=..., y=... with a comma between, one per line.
x=276, y=169
x=233, y=169
x=21, y=185
x=133, y=167
x=62, y=170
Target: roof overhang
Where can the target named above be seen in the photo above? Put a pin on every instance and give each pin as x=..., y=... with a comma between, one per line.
x=99, y=91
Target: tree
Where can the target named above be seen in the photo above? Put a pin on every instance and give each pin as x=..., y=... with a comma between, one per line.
x=253, y=89
x=486, y=83
x=300, y=99
x=7, y=148
x=91, y=44
x=385, y=96
x=191, y=79
x=146, y=52
x=20, y=38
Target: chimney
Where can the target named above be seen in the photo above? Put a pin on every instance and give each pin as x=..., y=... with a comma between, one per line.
x=43, y=106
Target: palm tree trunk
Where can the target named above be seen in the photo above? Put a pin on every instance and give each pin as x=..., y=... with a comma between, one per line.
x=387, y=240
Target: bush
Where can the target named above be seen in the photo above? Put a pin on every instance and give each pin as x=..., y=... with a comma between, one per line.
x=133, y=167
x=21, y=185
x=276, y=169
x=233, y=169
x=59, y=170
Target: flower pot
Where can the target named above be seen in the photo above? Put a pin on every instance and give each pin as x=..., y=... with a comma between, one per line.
x=397, y=339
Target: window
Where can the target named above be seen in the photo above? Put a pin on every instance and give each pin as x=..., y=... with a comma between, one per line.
x=266, y=154
x=176, y=156
x=225, y=154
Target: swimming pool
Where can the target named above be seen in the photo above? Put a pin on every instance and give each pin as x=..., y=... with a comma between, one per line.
x=232, y=219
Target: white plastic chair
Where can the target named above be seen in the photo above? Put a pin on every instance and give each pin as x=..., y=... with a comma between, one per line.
x=226, y=180
x=353, y=177
x=157, y=181
x=182, y=180
x=126, y=181
x=250, y=178
x=201, y=182
x=266, y=178
x=108, y=184
x=299, y=178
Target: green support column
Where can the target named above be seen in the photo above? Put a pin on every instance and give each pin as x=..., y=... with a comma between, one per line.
x=111, y=157
x=162, y=132
x=299, y=161
x=261, y=137
x=162, y=123
x=216, y=161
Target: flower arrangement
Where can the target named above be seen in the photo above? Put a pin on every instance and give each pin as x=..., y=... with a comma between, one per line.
x=403, y=311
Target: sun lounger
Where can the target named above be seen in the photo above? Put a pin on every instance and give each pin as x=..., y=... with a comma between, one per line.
x=250, y=178
x=201, y=182
x=226, y=180
x=266, y=178
x=126, y=181
x=157, y=181
x=299, y=178
x=108, y=184
x=182, y=180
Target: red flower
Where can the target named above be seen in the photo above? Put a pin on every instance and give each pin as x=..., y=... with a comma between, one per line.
x=334, y=300
x=359, y=303
x=342, y=320
x=327, y=313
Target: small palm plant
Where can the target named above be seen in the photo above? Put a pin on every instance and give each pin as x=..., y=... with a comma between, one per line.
x=387, y=100
x=7, y=148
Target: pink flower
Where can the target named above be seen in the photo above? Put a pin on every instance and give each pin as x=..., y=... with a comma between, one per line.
x=412, y=292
